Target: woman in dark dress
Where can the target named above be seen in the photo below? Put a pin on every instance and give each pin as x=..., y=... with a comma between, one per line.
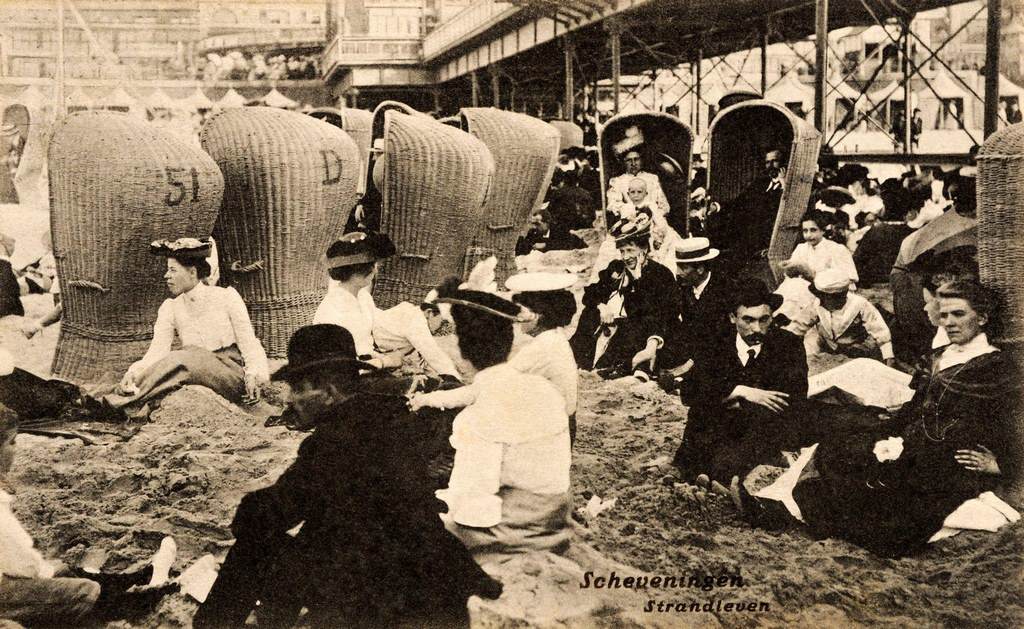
x=890, y=489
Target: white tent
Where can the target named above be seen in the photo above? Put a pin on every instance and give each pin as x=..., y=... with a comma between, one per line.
x=196, y=100
x=78, y=98
x=32, y=97
x=118, y=99
x=160, y=100
x=232, y=99
x=946, y=86
x=274, y=98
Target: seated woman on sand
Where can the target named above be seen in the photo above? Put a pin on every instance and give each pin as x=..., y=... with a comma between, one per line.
x=509, y=487
x=218, y=347
x=890, y=488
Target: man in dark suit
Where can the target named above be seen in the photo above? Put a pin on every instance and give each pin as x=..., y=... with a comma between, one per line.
x=704, y=301
x=743, y=227
x=341, y=488
x=545, y=235
x=746, y=393
x=630, y=310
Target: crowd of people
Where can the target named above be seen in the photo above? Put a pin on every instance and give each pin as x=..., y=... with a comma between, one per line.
x=486, y=442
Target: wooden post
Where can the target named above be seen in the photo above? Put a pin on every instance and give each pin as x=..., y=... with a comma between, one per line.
x=570, y=86
x=474, y=84
x=614, y=29
x=908, y=112
x=58, y=91
x=495, y=87
x=700, y=107
x=821, y=62
x=764, y=60
x=992, y=67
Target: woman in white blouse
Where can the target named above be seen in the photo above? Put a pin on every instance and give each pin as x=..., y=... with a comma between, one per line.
x=817, y=253
x=219, y=349
x=509, y=487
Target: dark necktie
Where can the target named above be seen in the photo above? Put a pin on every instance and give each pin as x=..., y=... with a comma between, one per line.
x=751, y=355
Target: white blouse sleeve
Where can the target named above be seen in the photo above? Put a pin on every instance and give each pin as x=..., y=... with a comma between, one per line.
x=472, y=493
x=419, y=336
x=163, y=338
x=250, y=347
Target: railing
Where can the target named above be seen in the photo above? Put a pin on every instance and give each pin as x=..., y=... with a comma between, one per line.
x=278, y=37
x=370, y=50
x=471, y=19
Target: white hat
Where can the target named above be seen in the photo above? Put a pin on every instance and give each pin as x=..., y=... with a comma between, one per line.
x=831, y=281
x=540, y=281
x=691, y=250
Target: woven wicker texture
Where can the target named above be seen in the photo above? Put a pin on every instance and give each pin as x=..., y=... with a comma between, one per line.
x=739, y=137
x=666, y=145
x=116, y=185
x=290, y=183
x=570, y=132
x=436, y=179
x=357, y=123
x=525, y=151
x=1001, y=225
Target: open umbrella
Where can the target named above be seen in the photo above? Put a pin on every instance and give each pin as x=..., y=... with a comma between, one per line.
x=949, y=231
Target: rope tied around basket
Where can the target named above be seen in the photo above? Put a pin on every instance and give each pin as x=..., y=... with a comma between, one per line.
x=89, y=284
x=498, y=228
x=238, y=267
x=414, y=256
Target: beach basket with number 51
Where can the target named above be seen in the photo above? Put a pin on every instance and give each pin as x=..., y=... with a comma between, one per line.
x=116, y=185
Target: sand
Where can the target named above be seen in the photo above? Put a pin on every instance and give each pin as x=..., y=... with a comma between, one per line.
x=183, y=473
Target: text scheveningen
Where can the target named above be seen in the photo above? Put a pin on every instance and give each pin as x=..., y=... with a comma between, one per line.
x=703, y=582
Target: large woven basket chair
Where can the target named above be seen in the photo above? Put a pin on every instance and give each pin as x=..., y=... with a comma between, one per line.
x=357, y=123
x=525, y=151
x=116, y=185
x=434, y=179
x=290, y=183
x=739, y=137
x=1001, y=226
x=665, y=144
x=571, y=134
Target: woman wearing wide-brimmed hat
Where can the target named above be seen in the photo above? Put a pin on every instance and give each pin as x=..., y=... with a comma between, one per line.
x=371, y=551
x=509, y=487
x=631, y=307
x=219, y=349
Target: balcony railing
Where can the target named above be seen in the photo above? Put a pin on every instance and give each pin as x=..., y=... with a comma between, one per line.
x=470, y=20
x=281, y=38
x=358, y=50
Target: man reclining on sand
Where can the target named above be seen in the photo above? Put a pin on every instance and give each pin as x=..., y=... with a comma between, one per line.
x=37, y=592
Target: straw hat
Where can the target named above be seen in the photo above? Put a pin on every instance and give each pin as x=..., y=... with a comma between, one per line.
x=693, y=250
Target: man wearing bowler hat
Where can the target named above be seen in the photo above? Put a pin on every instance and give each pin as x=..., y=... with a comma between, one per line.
x=745, y=392
x=359, y=487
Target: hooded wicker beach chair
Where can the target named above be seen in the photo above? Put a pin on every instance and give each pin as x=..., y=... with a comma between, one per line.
x=433, y=180
x=290, y=184
x=665, y=144
x=116, y=185
x=1001, y=227
x=357, y=123
x=571, y=134
x=525, y=151
x=739, y=137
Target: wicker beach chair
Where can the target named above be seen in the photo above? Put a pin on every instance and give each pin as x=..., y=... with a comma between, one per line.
x=290, y=184
x=665, y=144
x=357, y=123
x=116, y=185
x=570, y=132
x=739, y=137
x=1001, y=227
x=525, y=151
x=434, y=181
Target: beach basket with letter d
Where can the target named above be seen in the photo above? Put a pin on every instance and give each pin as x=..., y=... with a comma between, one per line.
x=117, y=184
x=289, y=186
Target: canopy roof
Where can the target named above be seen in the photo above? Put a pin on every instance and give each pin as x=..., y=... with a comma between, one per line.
x=274, y=98
x=232, y=99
